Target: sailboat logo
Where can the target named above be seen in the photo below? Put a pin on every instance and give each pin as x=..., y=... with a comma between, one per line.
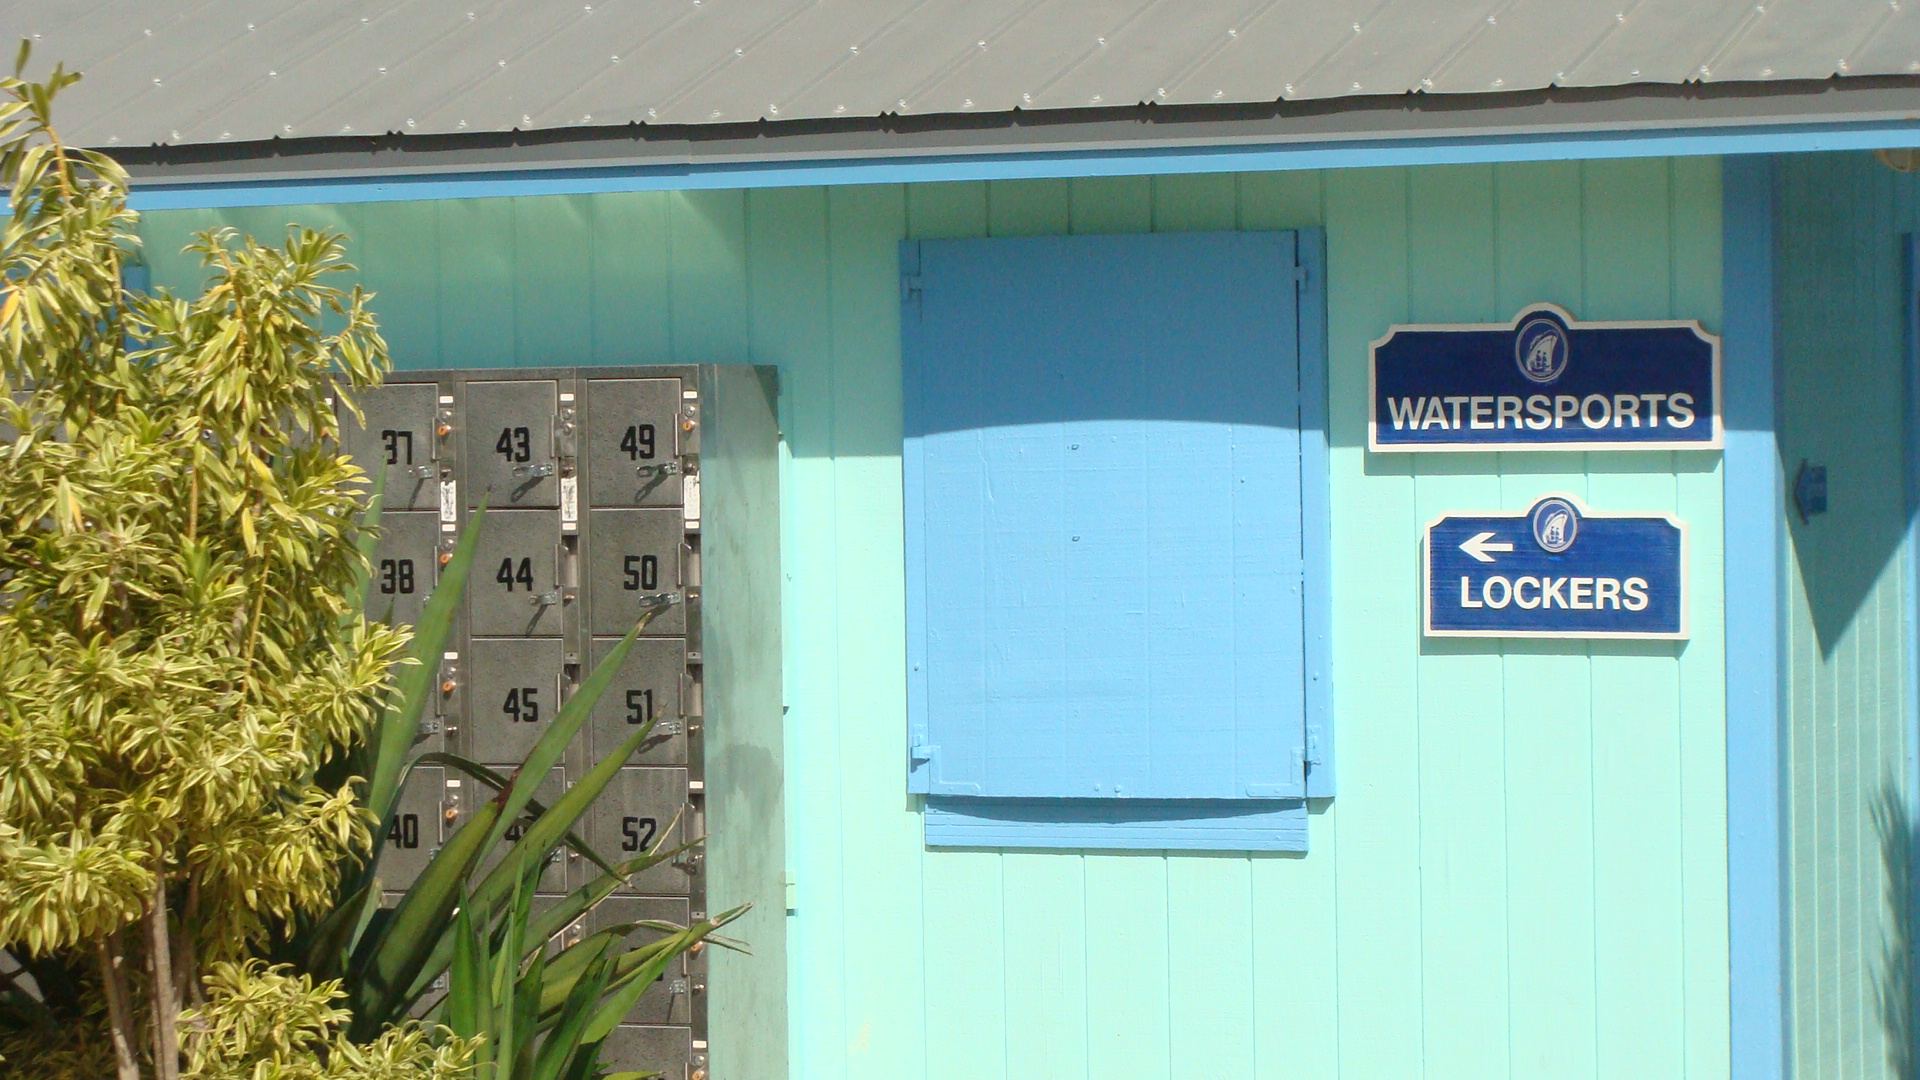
x=1555, y=524
x=1540, y=348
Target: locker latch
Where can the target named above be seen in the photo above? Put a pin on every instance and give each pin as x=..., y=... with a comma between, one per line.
x=664, y=468
x=545, y=468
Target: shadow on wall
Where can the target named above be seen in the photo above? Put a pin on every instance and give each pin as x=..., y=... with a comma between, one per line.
x=1899, y=854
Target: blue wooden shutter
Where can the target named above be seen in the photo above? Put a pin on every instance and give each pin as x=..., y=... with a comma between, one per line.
x=1103, y=512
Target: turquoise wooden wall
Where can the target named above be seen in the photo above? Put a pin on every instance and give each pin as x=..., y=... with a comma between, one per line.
x=1841, y=220
x=1524, y=872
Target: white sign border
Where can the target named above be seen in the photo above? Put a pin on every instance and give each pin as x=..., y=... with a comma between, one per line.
x=1718, y=442
x=1686, y=585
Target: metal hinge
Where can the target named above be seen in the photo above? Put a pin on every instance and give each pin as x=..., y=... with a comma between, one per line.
x=1313, y=746
x=1301, y=275
x=921, y=753
x=910, y=274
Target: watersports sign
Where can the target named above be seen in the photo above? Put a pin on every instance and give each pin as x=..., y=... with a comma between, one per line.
x=1546, y=382
x=1556, y=570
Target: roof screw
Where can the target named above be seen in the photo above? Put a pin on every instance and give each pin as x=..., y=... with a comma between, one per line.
x=249, y=27
x=1233, y=33
x=383, y=71
x=503, y=63
x=1096, y=99
x=967, y=104
x=149, y=33
x=288, y=128
x=739, y=52
x=273, y=74
x=1356, y=28
x=1356, y=86
x=839, y=108
x=1102, y=42
x=1028, y=98
x=1491, y=21
x=1162, y=92
x=982, y=44
x=1497, y=83
x=854, y=49
x=410, y=122
x=616, y=59
x=156, y=82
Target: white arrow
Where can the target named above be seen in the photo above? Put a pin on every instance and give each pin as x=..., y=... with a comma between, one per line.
x=1478, y=546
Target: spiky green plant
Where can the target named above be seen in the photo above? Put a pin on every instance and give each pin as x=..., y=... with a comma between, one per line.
x=391, y=958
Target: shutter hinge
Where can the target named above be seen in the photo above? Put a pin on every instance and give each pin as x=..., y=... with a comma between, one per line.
x=1313, y=746
x=921, y=753
x=1301, y=275
x=910, y=274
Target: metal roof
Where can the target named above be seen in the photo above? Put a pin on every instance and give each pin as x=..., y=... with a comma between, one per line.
x=210, y=71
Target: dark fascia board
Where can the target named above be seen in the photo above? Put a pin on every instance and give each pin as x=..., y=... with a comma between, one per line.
x=1407, y=118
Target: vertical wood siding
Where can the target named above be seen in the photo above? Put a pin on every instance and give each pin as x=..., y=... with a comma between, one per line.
x=1524, y=873
x=1850, y=805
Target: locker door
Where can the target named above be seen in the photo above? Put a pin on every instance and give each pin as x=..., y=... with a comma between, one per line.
x=412, y=834
x=632, y=814
x=513, y=693
x=647, y=687
x=633, y=558
x=510, y=450
x=398, y=437
x=515, y=587
x=554, y=878
x=633, y=442
x=665, y=1050
x=668, y=1000
x=405, y=567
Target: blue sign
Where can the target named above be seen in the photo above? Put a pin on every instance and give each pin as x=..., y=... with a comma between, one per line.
x=1546, y=382
x=1557, y=570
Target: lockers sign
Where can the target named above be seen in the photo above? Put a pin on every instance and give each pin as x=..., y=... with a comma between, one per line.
x=1556, y=570
x=1546, y=382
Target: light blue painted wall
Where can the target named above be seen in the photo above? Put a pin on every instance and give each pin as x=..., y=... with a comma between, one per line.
x=1849, y=602
x=1524, y=872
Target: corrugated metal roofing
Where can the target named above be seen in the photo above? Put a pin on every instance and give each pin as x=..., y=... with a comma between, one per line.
x=177, y=72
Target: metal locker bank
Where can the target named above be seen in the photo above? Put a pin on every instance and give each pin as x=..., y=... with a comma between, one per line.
x=611, y=496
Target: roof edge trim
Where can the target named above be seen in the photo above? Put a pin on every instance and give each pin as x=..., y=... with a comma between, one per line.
x=1402, y=129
